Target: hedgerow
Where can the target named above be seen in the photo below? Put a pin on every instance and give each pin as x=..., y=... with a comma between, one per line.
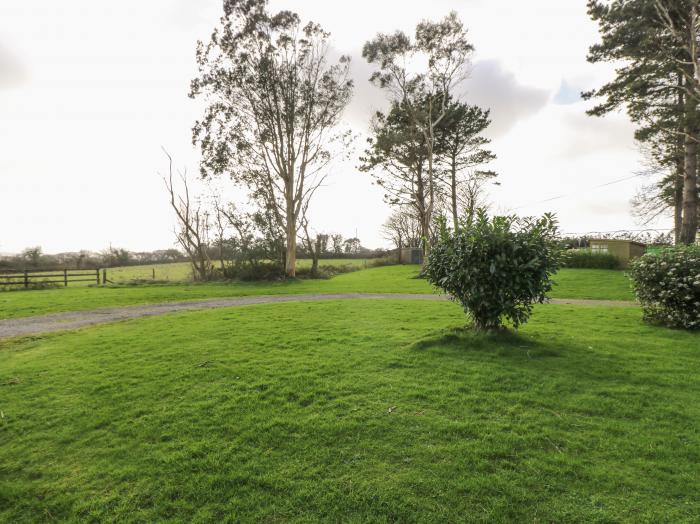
x=586, y=259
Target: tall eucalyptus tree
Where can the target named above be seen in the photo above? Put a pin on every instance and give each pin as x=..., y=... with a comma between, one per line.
x=273, y=104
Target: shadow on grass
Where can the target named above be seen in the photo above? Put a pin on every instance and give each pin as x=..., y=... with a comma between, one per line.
x=559, y=359
x=504, y=343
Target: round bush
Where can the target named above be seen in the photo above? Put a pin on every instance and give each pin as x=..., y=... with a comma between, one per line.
x=667, y=285
x=496, y=268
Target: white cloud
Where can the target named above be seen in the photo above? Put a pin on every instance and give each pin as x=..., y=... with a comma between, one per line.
x=491, y=86
x=12, y=74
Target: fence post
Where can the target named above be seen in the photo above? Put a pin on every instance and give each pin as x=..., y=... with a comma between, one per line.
x=97, y=275
x=65, y=277
x=154, y=273
x=26, y=279
x=104, y=276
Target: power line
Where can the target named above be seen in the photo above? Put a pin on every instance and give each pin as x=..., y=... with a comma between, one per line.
x=586, y=233
x=584, y=190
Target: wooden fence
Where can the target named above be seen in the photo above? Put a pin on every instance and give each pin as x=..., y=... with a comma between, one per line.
x=28, y=278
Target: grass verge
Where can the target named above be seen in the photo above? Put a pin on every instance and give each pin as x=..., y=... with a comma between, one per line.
x=571, y=283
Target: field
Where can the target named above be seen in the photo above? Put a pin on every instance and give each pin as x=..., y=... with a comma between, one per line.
x=352, y=411
x=182, y=271
x=178, y=272
x=571, y=283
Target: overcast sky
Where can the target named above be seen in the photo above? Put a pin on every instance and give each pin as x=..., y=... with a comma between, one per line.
x=90, y=90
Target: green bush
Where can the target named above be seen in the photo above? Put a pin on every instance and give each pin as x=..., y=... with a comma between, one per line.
x=326, y=271
x=586, y=259
x=667, y=284
x=496, y=268
x=253, y=270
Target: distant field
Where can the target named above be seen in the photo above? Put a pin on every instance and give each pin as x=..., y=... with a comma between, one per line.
x=174, y=272
x=182, y=271
x=178, y=271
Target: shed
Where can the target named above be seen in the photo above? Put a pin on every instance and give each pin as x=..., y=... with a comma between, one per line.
x=411, y=255
x=623, y=250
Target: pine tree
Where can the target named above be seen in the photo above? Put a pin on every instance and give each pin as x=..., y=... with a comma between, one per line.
x=656, y=83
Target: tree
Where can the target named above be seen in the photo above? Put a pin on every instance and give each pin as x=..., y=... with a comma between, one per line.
x=322, y=240
x=665, y=194
x=403, y=228
x=221, y=224
x=352, y=246
x=116, y=256
x=311, y=245
x=274, y=104
x=424, y=95
x=462, y=149
x=681, y=20
x=337, y=241
x=32, y=255
x=471, y=192
x=656, y=40
x=397, y=159
x=193, y=225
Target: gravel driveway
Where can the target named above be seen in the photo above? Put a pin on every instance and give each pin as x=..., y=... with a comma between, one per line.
x=27, y=326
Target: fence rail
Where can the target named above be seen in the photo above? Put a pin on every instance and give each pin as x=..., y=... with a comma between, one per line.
x=28, y=278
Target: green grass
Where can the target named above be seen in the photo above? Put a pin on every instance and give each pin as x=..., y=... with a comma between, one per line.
x=352, y=411
x=182, y=271
x=174, y=272
x=598, y=284
x=572, y=283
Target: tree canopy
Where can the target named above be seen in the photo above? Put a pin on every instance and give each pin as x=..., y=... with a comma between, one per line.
x=273, y=107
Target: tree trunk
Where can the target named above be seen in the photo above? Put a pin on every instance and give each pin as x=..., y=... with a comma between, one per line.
x=680, y=172
x=425, y=231
x=678, y=202
x=315, y=250
x=290, y=260
x=291, y=255
x=424, y=214
x=203, y=266
x=453, y=188
x=431, y=203
x=689, y=226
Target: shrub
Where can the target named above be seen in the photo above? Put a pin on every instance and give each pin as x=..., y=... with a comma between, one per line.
x=253, y=270
x=584, y=258
x=496, y=268
x=327, y=270
x=667, y=284
x=387, y=260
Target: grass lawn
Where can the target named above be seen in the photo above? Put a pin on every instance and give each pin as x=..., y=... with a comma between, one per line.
x=603, y=284
x=352, y=411
x=572, y=283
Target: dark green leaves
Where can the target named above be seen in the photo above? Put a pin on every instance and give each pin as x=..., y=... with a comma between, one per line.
x=497, y=268
x=667, y=284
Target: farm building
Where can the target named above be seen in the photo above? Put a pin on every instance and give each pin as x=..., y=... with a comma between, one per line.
x=623, y=250
x=411, y=255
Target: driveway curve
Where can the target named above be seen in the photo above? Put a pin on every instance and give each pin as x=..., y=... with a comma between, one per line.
x=28, y=326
